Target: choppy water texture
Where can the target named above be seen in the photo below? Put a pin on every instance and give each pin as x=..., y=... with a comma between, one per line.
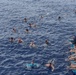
x=14, y=56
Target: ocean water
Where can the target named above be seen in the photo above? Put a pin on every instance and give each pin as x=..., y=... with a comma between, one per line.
x=14, y=56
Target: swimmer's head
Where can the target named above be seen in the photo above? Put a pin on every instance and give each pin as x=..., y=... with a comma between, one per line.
x=20, y=40
x=11, y=39
x=14, y=29
x=46, y=41
x=59, y=18
x=27, y=30
x=25, y=19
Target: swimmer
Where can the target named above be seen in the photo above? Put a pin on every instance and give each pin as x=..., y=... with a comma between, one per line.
x=32, y=66
x=27, y=31
x=14, y=30
x=46, y=41
x=50, y=65
x=41, y=17
x=32, y=25
x=32, y=44
x=46, y=44
x=20, y=40
x=11, y=39
x=59, y=18
x=25, y=19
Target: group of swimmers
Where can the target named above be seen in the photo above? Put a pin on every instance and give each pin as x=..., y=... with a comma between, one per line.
x=13, y=39
x=32, y=43
x=72, y=57
x=49, y=65
x=19, y=40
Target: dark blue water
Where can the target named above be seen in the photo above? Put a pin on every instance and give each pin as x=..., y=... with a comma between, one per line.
x=14, y=56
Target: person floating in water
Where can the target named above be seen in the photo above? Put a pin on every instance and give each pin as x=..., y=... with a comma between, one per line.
x=41, y=16
x=59, y=18
x=32, y=25
x=20, y=40
x=50, y=65
x=11, y=39
x=47, y=42
x=32, y=64
x=32, y=44
x=14, y=30
x=27, y=31
x=25, y=19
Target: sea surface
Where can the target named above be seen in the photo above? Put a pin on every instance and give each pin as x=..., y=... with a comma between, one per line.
x=44, y=14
